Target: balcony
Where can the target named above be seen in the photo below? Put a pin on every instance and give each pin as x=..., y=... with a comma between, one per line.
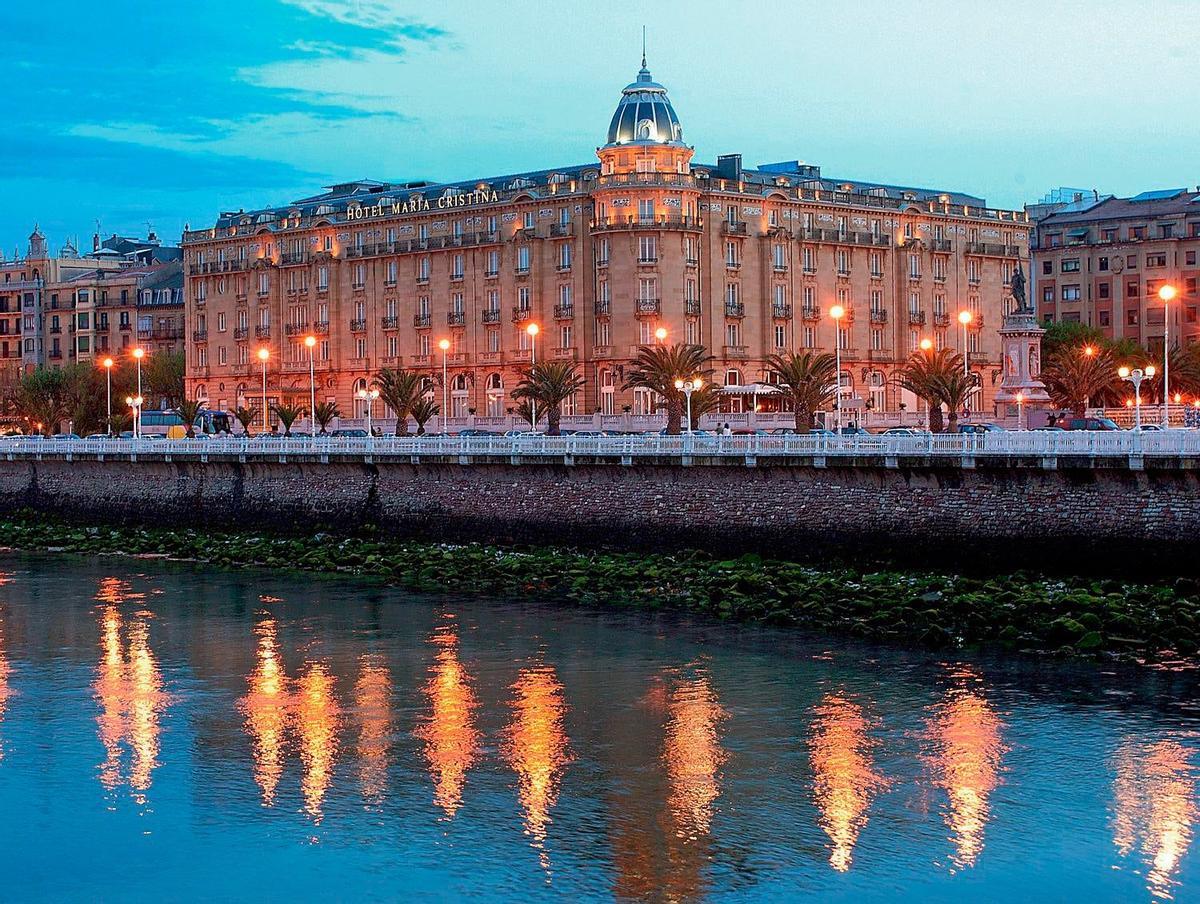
x=490, y=317
x=633, y=222
x=675, y=180
x=491, y=357
x=731, y=264
x=389, y=323
x=241, y=333
x=691, y=262
x=735, y=309
x=521, y=271
x=602, y=351
x=647, y=261
x=691, y=307
x=809, y=312
x=420, y=321
x=916, y=318
x=421, y=360
x=520, y=315
x=321, y=327
x=197, y=335
x=55, y=329
x=262, y=332
x=293, y=257
x=456, y=318
x=941, y=319
x=781, y=311
x=563, y=354
x=728, y=228
x=603, y=308
x=491, y=273
x=560, y=230
x=358, y=326
x=296, y=329
x=879, y=354
x=780, y=268
x=564, y=312
x=990, y=249
x=644, y=307
x=456, y=277
x=736, y=351
x=879, y=316
x=943, y=245
x=423, y=280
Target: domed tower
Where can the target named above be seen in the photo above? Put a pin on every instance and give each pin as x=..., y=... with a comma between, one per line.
x=645, y=134
x=646, y=229
x=37, y=245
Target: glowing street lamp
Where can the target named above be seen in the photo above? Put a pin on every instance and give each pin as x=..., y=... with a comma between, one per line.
x=532, y=330
x=1167, y=293
x=310, y=342
x=687, y=387
x=138, y=354
x=264, y=353
x=369, y=396
x=1020, y=411
x=444, y=345
x=838, y=312
x=661, y=334
x=1135, y=377
x=135, y=403
x=965, y=318
x=926, y=344
x=108, y=366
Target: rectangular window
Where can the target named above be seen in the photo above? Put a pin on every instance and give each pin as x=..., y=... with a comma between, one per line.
x=1070, y=293
x=647, y=249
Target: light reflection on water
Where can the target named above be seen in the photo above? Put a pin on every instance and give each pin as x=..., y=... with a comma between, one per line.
x=510, y=751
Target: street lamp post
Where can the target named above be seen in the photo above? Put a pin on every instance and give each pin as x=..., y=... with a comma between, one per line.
x=1166, y=293
x=837, y=312
x=1020, y=411
x=927, y=347
x=965, y=318
x=135, y=403
x=138, y=354
x=532, y=330
x=310, y=342
x=108, y=365
x=369, y=396
x=444, y=345
x=1135, y=377
x=263, y=354
x=687, y=387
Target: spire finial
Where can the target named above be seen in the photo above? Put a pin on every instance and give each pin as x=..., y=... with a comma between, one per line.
x=643, y=46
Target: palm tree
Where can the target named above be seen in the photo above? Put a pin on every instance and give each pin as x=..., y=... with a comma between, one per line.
x=1078, y=374
x=188, y=410
x=704, y=400
x=920, y=374
x=955, y=387
x=326, y=412
x=288, y=414
x=422, y=410
x=245, y=416
x=810, y=378
x=550, y=383
x=400, y=389
x=658, y=367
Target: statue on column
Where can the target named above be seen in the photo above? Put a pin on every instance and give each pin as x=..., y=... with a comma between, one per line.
x=1021, y=340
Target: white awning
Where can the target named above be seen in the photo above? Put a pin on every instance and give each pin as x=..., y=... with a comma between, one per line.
x=749, y=389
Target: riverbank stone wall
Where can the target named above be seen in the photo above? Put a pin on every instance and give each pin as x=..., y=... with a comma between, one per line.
x=1020, y=515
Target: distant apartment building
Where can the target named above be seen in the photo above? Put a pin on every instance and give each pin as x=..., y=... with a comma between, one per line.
x=1102, y=260
x=58, y=308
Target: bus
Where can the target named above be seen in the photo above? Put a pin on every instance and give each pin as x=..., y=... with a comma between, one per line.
x=169, y=424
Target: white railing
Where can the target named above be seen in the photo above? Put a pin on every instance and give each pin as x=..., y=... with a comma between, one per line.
x=1114, y=444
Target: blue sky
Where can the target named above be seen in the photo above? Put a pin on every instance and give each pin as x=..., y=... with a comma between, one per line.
x=131, y=112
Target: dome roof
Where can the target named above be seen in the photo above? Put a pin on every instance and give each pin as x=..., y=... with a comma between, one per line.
x=644, y=114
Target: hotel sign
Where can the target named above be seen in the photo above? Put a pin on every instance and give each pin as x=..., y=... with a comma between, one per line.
x=422, y=205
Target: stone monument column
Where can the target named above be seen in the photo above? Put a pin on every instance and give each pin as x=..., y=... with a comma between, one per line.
x=1021, y=367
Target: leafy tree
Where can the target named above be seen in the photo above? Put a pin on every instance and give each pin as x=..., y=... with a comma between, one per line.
x=809, y=378
x=549, y=384
x=326, y=412
x=1070, y=334
x=189, y=410
x=83, y=391
x=245, y=416
x=422, y=410
x=162, y=378
x=400, y=389
x=1078, y=374
x=658, y=367
x=288, y=414
x=42, y=399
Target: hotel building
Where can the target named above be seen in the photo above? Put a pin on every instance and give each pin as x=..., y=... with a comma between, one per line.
x=600, y=255
x=1101, y=261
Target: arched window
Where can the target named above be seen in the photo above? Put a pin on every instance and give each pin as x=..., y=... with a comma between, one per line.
x=877, y=384
x=360, y=405
x=460, y=400
x=495, y=395
x=201, y=393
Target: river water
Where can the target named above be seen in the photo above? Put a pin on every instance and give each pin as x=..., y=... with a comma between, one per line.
x=172, y=731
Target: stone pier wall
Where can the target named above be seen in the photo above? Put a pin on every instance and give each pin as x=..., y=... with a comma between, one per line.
x=935, y=513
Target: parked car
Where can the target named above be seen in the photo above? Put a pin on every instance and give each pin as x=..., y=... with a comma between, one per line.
x=904, y=431
x=475, y=431
x=1089, y=423
x=854, y=431
x=981, y=428
x=350, y=433
x=1052, y=427
x=745, y=432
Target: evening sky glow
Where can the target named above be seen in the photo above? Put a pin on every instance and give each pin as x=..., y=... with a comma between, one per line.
x=167, y=113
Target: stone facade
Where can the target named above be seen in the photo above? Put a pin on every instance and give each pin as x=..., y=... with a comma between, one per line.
x=1033, y=514
x=600, y=256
